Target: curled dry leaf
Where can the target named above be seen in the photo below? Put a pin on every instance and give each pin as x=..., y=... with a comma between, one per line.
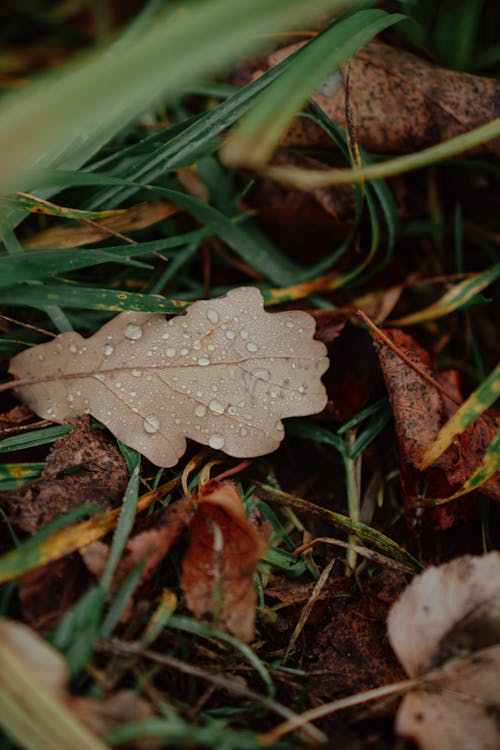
x=457, y=705
x=436, y=600
x=399, y=101
x=225, y=374
x=218, y=567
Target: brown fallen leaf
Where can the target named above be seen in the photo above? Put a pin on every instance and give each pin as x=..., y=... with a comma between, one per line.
x=218, y=567
x=420, y=410
x=456, y=706
x=400, y=102
x=123, y=221
x=225, y=374
x=84, y=466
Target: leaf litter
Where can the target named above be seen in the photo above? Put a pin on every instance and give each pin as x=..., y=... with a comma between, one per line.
x=202, y=553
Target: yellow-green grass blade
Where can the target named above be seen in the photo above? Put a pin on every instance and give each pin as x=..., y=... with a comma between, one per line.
x=483, y=397
x=35, y=205
x=455, y=298
x=32, y=554
x=489, y=466
x=253, y=142
x=309, y=179
x=15, y=475
x=74, y=296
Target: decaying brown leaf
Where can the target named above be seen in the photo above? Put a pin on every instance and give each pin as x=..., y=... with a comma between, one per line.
x=218, y=567
x=420, y=410
x=350, y=652
x=83, y=467
x=400, y=102
x=225, y=374
x=457, y=706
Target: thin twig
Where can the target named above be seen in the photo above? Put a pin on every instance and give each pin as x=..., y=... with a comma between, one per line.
x=419, y=370
x=370, y=554
x=27, y=325
x=328, y=708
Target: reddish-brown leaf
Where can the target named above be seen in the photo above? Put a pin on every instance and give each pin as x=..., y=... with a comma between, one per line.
x=218, y=567
x=420, y=410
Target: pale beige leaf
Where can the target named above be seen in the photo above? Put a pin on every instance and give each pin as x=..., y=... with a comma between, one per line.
x=225, y=373
x=435, y=601
x=459, y=709
x=45, y=662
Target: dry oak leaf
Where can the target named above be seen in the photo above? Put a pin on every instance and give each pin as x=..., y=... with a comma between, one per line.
x=218, y=567
x=225, y=374
x=458, y=705
x=400, y=102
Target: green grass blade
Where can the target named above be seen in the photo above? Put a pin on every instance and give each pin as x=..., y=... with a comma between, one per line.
x=455, y=32
x=36, y=437
x=125, y=522
x=39, y=264
x=483, y=397
x=76, y=633
x=88, y=298
x=254, y=141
